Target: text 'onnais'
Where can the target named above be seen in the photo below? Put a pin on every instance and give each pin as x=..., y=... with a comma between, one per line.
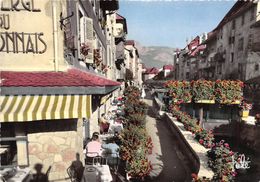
x=13, y=42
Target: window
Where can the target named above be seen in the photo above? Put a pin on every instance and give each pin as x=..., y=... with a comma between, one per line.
x=250, y=40
x=239, y=67
x=240, y=44
x=256, y=67
x=14, y=149
x=243, y=19
x=232, y=57
x=252, y=12
x=233, y=24
x=187, y=75
x=219, y=69
x=188, y=63
x=232, y=40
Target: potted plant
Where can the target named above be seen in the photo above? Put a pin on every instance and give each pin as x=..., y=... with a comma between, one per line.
x=97, y=57
x=84, y=49
x=245, y=107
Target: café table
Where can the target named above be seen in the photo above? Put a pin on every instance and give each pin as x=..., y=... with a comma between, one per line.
x=93, y=173
x=115, y=127
x=16, y=174
x=3, y=150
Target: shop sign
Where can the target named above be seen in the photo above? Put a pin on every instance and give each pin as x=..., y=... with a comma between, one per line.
x=19, y=42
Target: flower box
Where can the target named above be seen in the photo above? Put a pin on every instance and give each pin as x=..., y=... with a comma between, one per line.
x=205, y=101
x=245, y=114
x=203, y=89
x=181, y=101
x=236, y=102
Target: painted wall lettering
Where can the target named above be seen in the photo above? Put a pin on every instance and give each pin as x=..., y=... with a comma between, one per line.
x=19, y=5
x=14, y=42
x=4, y=21
x=19, y=42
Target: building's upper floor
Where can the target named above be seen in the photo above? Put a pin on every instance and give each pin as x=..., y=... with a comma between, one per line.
x=54, y=35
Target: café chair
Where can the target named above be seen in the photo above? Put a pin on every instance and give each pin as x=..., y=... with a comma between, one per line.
x=71, y=174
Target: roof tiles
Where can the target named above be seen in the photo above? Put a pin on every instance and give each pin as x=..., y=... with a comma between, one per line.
x=71, y=78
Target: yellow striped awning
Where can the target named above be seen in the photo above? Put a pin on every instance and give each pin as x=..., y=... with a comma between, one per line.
x=44, y=107
x=105, y=98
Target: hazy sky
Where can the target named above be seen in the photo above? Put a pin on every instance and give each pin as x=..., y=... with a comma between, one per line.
x=170, y=23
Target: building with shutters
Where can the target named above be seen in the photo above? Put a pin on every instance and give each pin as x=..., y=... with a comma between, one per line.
x=230, y=51
x=133, y=62
x=57, y=78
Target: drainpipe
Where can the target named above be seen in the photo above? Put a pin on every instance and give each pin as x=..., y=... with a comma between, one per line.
x=55, y=35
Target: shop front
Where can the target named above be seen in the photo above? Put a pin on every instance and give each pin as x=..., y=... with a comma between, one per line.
x=44, y=117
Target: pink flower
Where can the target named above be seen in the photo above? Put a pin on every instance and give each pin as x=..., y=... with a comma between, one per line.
x=226, y=145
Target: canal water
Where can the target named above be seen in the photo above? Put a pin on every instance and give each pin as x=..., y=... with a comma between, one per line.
x=253, y=173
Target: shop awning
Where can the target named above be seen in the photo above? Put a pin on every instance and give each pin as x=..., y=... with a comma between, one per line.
x=105, y=98
x=71, y=82
x=44, y=107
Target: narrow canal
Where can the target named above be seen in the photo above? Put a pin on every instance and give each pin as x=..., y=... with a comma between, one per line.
x=169, y=164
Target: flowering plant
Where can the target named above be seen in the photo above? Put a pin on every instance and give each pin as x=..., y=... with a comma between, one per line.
x=195, y=178
x=180, y=91
x=97, y=57
x=221, y=162
x=245, y=106
x=136, y=143
x=223, y=91
x=228, y=91
x=132, y=91
x=203, y=136
x=84, y=49
x=203, y=90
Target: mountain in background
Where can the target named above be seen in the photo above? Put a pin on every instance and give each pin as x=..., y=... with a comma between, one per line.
x=155, y=56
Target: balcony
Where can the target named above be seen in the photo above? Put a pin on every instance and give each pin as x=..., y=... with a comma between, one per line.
x=256, y=47
x=110, y=5
x=220, y=57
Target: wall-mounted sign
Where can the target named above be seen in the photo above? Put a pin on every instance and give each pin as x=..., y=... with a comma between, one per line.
x=19, y=5
x=15, y=41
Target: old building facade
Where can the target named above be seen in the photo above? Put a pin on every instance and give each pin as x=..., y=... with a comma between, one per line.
x=230, y=51
x=58, y=75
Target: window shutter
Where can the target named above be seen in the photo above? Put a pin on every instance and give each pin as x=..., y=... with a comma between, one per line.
x=86, y=37
x=89, y=40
